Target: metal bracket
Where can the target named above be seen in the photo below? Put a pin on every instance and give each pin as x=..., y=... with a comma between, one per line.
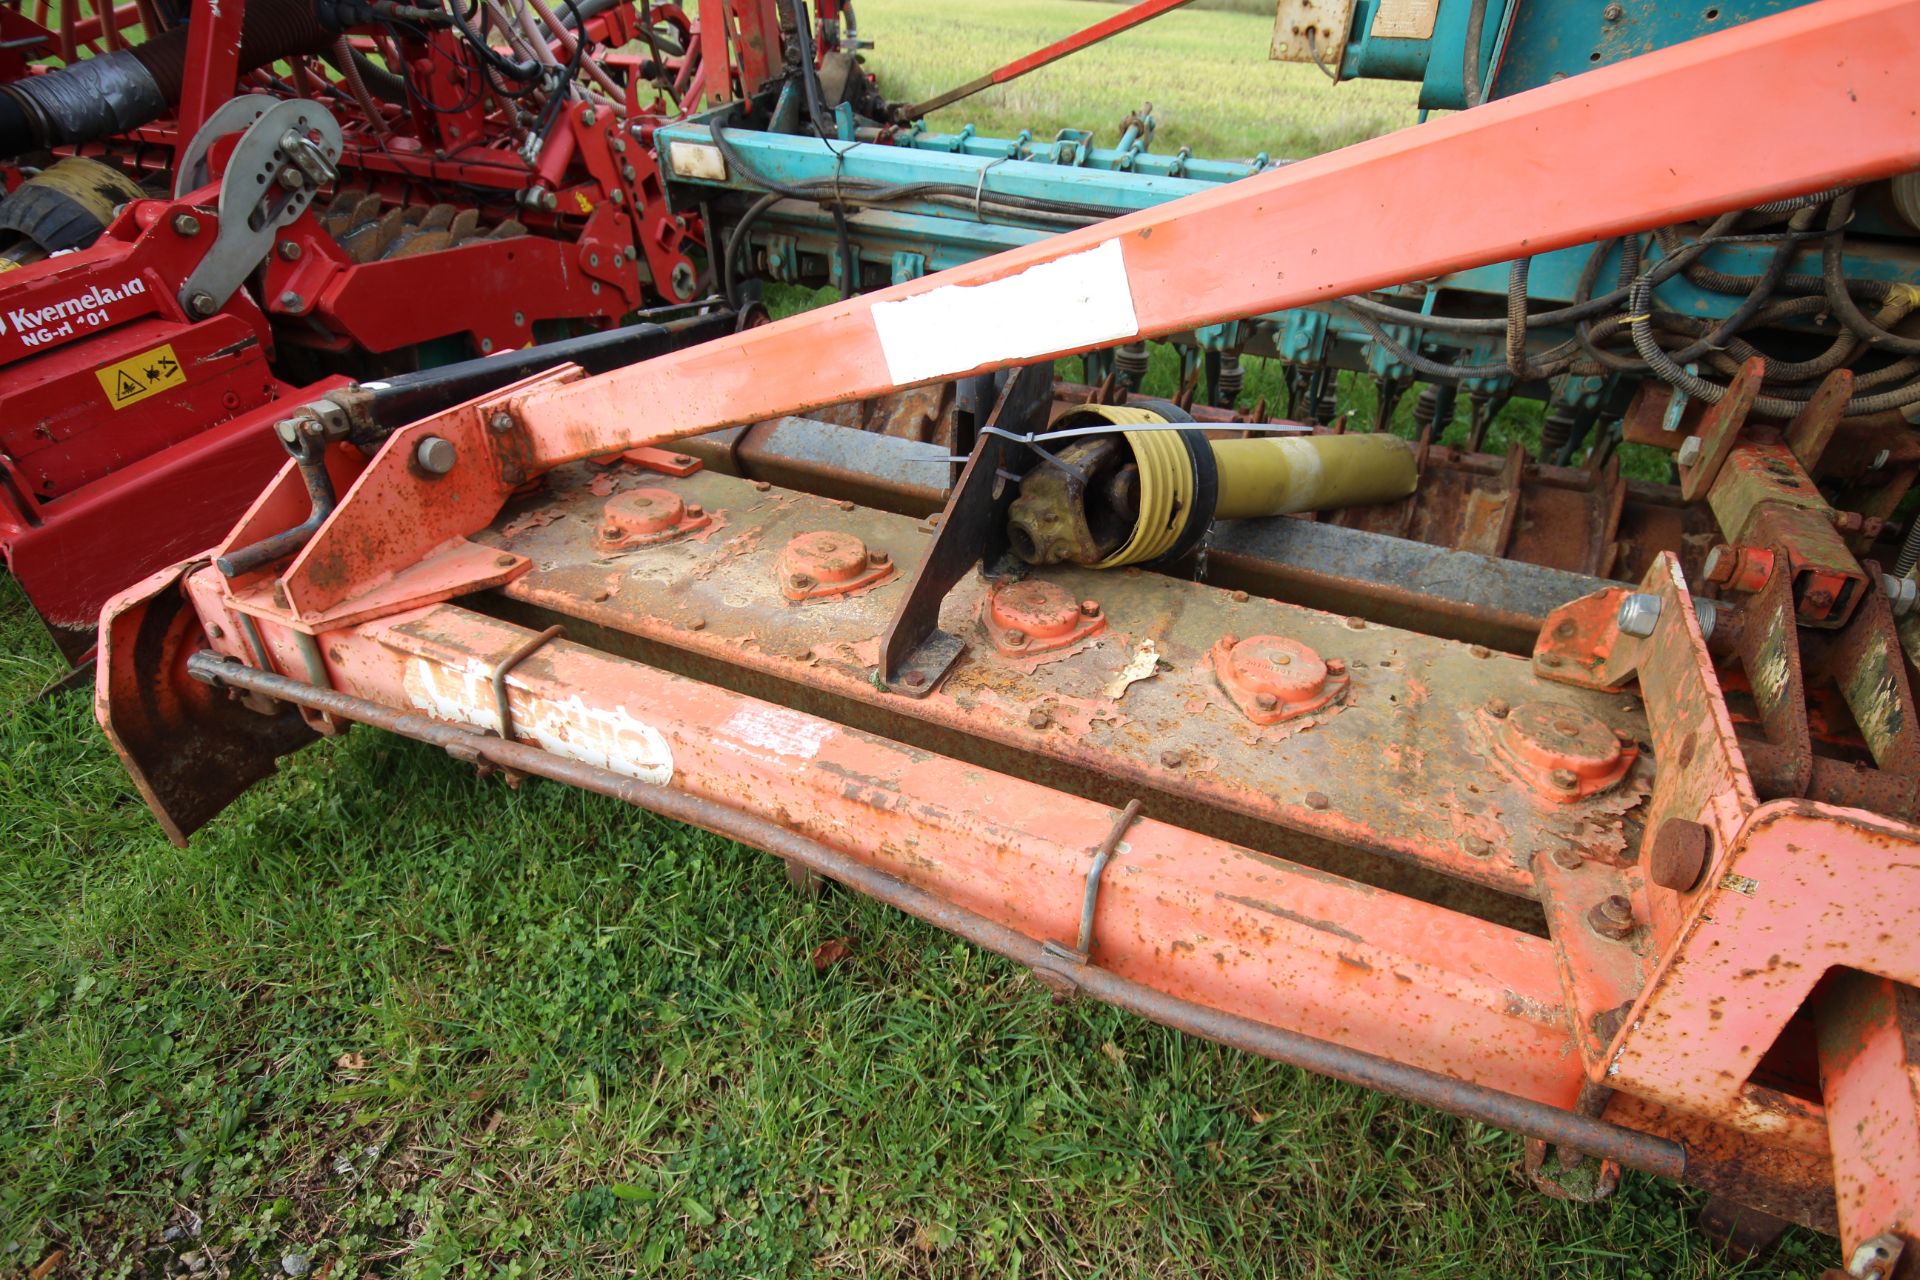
x=498, y=678
x=914, y=652
x=285, y=156
x=1082, y=950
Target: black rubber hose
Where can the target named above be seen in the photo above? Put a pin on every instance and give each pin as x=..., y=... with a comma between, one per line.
x=1833, y=273
x=1772, y=406
x=525, y=72
x=1552, y=362
x=1590, y=309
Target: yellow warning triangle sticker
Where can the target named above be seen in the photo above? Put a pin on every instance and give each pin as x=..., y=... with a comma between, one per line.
x=125, y=387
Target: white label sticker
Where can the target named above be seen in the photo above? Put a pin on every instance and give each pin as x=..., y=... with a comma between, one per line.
x=607, y=737
x=776, y=729
x=700, y=160
x=1081, y=300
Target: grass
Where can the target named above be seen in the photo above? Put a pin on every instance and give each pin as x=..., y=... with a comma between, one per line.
x=394, y=1020
x=1205, y=72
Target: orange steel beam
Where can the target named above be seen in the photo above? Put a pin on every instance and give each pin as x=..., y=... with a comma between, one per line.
x=1188, y=914
x=1821, y=94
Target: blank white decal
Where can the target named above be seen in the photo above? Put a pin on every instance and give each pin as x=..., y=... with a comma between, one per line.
x=1081, y=300
x=776, y=729
x=697, y=160
x=606, y=737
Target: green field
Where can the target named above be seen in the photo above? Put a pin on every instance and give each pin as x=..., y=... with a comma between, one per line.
x=394, y=1020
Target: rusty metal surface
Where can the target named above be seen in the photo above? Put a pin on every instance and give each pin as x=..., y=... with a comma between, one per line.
x=190, y=750
x=1560, y=1125
x=1403, y=769
x=1869, y=1044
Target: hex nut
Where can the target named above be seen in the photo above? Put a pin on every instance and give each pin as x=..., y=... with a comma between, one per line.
x=1638, y=614
x=1612, y=917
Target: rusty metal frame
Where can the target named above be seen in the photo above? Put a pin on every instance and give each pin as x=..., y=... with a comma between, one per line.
x=1654, y=1006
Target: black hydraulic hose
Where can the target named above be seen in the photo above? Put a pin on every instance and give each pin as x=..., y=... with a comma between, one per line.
x=816, y=110
x=736, y=237
x=1589, y=1135
x=525, y=72
x=1833, y=273
x=1591, y=308
x=1552, y=362
x=1773, y=406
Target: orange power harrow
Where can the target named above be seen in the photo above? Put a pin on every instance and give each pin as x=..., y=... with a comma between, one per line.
x=1550, y=892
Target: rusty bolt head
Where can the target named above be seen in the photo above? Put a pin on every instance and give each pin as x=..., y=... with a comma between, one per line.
x=1565, y=628
x=682, y=460
x=500, y=423
x=1239, y=597
x=185, y=224
x=1565, y=780
x=1551, y=659
x=878, y=558
x=1478, y=846
x=1336, y=666
x=763, y=485
x=1039, y=718
x=696, y=623
x=1720, y=563
x=610, y=533
x=290, y=250
x=506, y=562
x=1089, y=608
x=1015, y=637
x=1679, y=854
x=201, y=303
x=800, y=582
x=1566, y=857
x=1480, y=651
x=1317, y=800
x=1357, y=624
x=1266, y=701
x=1612, y=917
x=1613, y=13
x=913, y=679
x=1172, y=758
x=1498, y=708
x=694, y=510
x=845, y=504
